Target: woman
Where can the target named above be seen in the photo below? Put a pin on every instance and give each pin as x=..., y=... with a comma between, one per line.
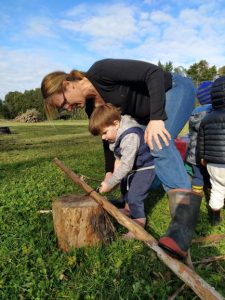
x=161, y=101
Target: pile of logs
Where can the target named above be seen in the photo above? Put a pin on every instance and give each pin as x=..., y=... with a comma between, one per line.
x=30, y=116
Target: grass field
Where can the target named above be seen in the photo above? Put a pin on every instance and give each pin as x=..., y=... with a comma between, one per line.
x=31, y=265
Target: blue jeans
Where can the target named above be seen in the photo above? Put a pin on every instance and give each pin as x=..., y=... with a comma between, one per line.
x=169, y=165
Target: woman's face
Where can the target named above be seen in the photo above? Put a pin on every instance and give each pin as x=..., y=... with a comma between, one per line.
x=69, y=98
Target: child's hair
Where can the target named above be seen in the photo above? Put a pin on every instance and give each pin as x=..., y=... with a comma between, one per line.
x=203, y=92
x=103, y=116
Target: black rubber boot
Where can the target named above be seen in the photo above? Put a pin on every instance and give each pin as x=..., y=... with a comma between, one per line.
x=184, y=208
x=214, y=216
x=207, y=192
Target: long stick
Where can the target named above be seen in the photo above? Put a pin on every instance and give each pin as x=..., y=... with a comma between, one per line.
x=209, y=259
x=212, y=238
x=193, y=280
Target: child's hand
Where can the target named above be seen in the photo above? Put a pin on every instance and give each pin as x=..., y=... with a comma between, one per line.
x=204, y=162
x=104, y=187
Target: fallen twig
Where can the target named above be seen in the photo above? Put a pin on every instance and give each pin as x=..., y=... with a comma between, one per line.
x=84, y=178
x=46, y=211
x=178, y=291
x=209, y=259
x=209, y=238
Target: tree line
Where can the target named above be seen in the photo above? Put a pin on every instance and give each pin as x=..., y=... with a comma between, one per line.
x=17, y=103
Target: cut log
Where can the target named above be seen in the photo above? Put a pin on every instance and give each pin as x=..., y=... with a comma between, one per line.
x=79, y=221
x=5, y=130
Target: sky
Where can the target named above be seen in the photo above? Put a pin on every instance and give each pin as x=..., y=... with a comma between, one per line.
x=38, y=36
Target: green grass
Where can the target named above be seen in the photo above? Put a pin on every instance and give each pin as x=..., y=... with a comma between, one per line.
x=31, y=265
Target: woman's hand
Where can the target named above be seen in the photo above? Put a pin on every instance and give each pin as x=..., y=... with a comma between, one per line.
x=104, y=187
x=154, y=130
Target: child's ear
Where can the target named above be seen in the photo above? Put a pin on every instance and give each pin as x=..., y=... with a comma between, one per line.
x=116, y=123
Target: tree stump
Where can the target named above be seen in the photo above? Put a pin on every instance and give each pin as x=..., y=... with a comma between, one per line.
x=5, y=130
x=79, y=221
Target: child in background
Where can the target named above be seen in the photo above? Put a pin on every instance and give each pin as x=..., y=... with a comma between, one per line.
x=211, y=148
x=200, y=178
x=134, y=168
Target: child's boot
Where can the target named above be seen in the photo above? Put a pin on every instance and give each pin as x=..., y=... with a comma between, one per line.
x=125, y=210
x=119, y=203
x=197, y=189
x=214, y=216
x=129, y=235
x=207, y=192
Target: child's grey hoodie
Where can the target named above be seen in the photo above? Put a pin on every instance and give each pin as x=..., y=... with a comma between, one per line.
x=129, y=149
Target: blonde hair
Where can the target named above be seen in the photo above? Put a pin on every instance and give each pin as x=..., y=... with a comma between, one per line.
x=103, y=116
x=53, y=84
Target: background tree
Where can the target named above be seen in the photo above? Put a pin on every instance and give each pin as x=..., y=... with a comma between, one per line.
x=201, y=72
x=18, y=103
x=168, y=66
x=4, y=113
x=221, y=71
x=13, y=102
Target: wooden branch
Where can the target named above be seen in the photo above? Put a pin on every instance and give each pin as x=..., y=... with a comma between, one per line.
x=83, y=177
x=209, y=259
x=178, y=291
x=202, y=261
x=193, y=280
x=212, y=238
x=45, y=211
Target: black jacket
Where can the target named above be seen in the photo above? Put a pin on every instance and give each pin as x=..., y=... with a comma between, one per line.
x=194, y=123
x=137, y=87
x=211, y=137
